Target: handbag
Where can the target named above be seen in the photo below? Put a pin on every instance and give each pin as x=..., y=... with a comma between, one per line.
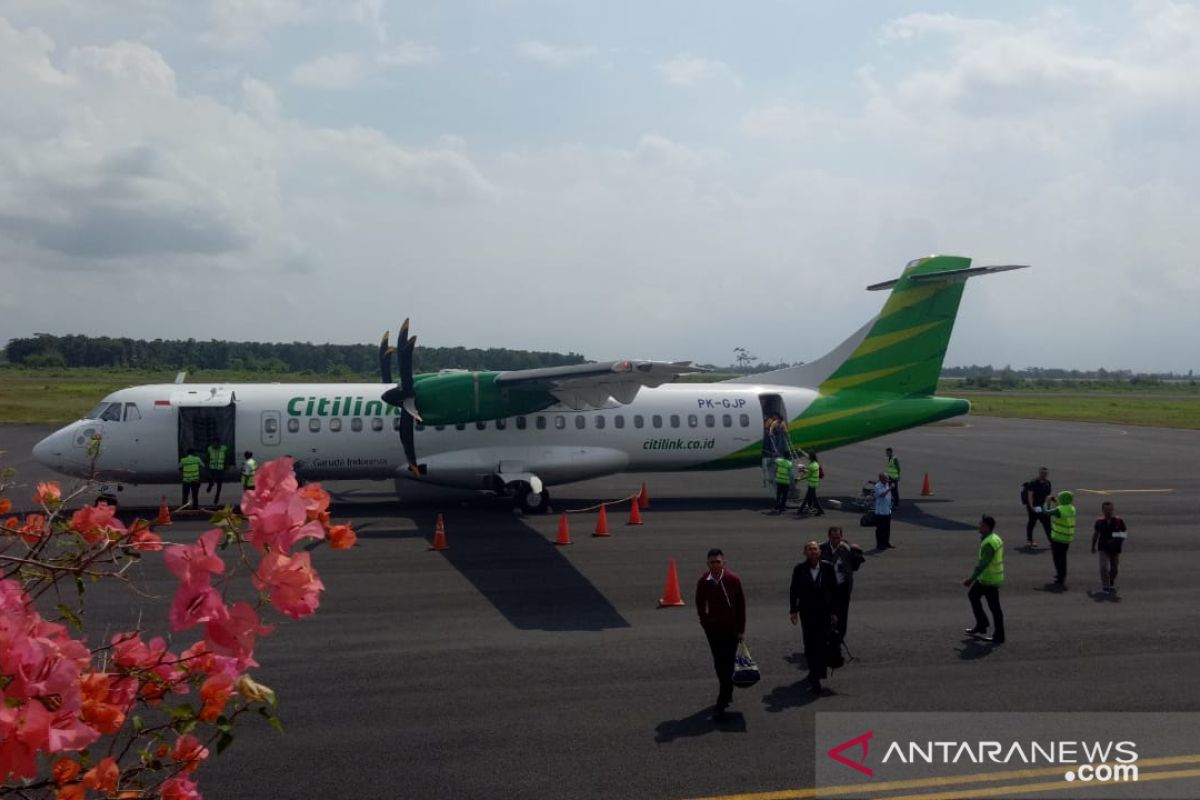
x=745, y=671
x=867, y=520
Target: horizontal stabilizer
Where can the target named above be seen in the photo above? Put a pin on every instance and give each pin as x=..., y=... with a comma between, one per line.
x=947, y=274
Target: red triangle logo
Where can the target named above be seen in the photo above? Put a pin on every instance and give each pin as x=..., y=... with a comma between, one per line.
x=860, y=765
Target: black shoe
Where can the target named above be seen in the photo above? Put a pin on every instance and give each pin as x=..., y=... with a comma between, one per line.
x=974, y=631
x=993, y=639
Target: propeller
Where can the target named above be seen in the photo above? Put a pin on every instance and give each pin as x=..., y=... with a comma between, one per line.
x=401, y=395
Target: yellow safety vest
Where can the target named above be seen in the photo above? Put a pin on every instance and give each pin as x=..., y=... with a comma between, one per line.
x=191, y=468
x=216, y=456
x=893, y=468
x=1062, y=524
x=814, y=473
x=248, y=470
x=993, y=573
x=783, y=470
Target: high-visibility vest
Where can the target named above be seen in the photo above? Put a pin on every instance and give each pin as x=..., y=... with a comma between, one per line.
x=216, y=456
x=191, y=468
x=993, y=573
x=783, y=470
x=248, y=470
x=1062, y=524
x=814, y=473
x=893, y=468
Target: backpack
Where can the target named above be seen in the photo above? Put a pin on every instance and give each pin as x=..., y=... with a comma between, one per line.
x=1025, y=493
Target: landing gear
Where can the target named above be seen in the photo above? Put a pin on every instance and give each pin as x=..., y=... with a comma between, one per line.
x=529, y=501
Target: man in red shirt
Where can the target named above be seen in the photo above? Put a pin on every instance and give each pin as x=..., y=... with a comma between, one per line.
x=722, y=608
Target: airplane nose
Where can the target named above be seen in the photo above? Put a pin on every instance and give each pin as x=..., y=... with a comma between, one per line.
x=49, y=451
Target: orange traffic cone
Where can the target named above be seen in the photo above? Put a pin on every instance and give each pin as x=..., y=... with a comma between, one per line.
x=164, y=513
x=601, y=523
x=643, y=498
x=635, y=513
x=439, y=536
x=671, y=595
x=564, y=534
x=926, y=489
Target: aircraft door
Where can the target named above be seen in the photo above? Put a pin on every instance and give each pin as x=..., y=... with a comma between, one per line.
x=201, y=426
x=270, y=426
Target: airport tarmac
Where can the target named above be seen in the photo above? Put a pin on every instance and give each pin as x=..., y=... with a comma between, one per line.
x=506, y=667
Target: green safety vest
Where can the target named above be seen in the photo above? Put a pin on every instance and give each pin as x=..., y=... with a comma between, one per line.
x=783, y=470
x=216, y=456
x=814, y=473
x=893, y=468
x=993, y=573
x=1062, y=524
x=248, y=470
x=191, y=468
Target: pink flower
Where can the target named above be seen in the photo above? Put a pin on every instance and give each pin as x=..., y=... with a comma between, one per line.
x=234, y=634
x=193, y=564
x=24, y=731
x=316, y=500
x=342, y=537
x=144, y=539
x=48, y=493
x=179, y=788
x=293, y=583
x=94, y=523
x=195, y=603
x=188, y=750
x=130, y=652
x=279, y=524
x=273, y=479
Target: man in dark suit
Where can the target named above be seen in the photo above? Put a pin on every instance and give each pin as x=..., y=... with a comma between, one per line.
x=846, y=559
x=812, y=603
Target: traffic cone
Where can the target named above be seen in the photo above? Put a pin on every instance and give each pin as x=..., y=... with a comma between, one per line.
x=564, y=535
x=643, y=498
x=601, y=523
x=926, y=489
x=164, y=513
x=635, y=513
x=671, y=595
x=439, y=536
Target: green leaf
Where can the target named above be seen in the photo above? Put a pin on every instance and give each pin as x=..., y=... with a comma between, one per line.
x=223, y=741
x=138, y=725
x=180, y=712
x=274, y=721
x=70, y=616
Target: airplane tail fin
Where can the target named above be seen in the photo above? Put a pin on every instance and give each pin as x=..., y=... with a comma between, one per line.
x=901, y=350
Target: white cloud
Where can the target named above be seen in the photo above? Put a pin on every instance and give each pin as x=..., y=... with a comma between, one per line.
x=688, y=70
x=335, y=71
x=242, y=23
x=554, y=55
x=407, y=53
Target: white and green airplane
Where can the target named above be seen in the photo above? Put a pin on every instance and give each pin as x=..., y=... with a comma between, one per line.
x=516, y=433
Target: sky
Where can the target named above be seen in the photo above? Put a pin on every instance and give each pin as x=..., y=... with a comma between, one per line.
x=665, y=180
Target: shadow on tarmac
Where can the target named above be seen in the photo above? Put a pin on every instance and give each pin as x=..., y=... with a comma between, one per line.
x=973, y=649
x=699, y=724
x=1104, y=597
x=797, y=695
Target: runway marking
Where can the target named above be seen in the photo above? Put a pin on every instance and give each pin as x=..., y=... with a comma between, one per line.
x=980, y=777
x=1126, y=491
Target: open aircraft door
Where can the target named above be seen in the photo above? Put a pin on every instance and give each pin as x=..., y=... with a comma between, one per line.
x=206, y=416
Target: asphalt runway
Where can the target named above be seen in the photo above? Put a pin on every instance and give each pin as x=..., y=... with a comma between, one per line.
x=506, y=667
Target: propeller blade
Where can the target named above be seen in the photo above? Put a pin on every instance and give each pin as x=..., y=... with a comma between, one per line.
x=410, y=406
x=406, y=364
x=385, y=361
x=406, y=438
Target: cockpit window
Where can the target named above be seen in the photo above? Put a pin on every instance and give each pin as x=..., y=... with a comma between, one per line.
x=96, y=412
x=112, y=413
x=131, y=412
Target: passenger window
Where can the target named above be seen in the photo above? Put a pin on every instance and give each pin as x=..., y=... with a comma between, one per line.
x=377, y=424
x=541, y=422
x=112, y=413
x=560, y=421
x=131, y=412
x=639, y=421
x=314, y=424
x=501, y=424
x=619, y=421
x=674, y=420
x=693, y=421
x=335, y=424
x=656, y=420
x=744, y=420
x=293, y=425
x=710, y=421
x=580, y=422
x=521, y=423
x=599, y=422
x=271, y=425
x=727, y=420
x=481, y=425
x=356, y=424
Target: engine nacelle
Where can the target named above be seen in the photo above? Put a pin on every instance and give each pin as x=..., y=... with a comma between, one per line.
x=452, y=398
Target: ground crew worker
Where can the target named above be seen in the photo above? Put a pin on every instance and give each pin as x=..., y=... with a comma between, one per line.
x=783, y=483
x=249, y=467
x=190, y=465
x=216, y=469
x=813, y=476
x=893, y=474
x=1109, y=535
x=1062, y=532
x=985, y=582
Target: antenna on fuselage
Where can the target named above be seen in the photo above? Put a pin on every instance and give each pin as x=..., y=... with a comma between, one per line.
x=179, y=376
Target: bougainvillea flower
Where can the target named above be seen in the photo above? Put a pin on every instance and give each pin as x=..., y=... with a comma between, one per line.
x=103, y=777
x=192, y=564
x=195, y=603
x=179, y=788
x=94, y=523
x=273, y=479
x=64, y=769
x=48, y=493
x=235, y=634
x=214, y=694
x=316, y=500
x=5, y=505
x=341, y=537
x=189, y=751
x=293, y=583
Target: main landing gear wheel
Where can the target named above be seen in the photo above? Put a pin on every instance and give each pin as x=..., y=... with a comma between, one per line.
x=529, y=501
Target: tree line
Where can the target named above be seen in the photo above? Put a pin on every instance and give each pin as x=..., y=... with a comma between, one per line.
x=46, y=350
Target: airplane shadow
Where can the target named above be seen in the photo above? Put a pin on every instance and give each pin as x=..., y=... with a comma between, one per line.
x=699, y=724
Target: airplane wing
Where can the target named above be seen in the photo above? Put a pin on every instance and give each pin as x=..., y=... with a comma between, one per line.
x=582, y=386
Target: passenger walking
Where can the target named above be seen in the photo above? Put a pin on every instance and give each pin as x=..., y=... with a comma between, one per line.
x=812, y=474
x=893, y=474
x=1034, y=494
x=190, y=466
x=216, y=469
x=1062, y=532
x=883, y=513
x=846, y=559
x=985, y=582
x=783, y=483
x=812, y=603
x=1108, y=536
x=721, y=604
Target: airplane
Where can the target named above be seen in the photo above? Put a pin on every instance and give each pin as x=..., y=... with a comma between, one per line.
x=517, y=433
